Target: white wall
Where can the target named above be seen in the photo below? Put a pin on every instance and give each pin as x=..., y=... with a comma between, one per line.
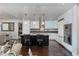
x=74, y=30
x=69, y=17
x=77, y=28
x=13, y=34
x=67, y=20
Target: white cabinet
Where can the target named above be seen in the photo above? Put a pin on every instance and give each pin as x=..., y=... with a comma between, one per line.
x=53, y=36
x=34, y=24
x=61, y=31
x=26, y=27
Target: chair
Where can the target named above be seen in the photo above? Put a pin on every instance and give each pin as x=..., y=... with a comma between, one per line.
x=17, y=48
x=33, y=40
x=3, y=38
x=40, y=39
x=25, y=40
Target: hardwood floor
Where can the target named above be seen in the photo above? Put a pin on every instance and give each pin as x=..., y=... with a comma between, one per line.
x=54, y=49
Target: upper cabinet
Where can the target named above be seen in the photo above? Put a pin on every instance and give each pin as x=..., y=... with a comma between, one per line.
x=26, y=27
x=34, y=24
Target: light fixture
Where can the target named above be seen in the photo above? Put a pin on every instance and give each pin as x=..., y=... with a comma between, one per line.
x=42, y=23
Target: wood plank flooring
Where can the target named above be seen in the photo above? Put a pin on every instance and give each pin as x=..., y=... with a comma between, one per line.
x=54, y=49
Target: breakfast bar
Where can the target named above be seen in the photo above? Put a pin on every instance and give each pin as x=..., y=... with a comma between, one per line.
x=35, y=40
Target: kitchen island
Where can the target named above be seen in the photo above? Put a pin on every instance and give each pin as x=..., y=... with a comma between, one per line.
x=35, y=40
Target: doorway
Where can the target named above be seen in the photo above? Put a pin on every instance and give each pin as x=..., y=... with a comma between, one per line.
x=19, y=29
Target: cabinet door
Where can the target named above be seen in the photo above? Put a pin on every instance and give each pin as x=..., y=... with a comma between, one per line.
x=34, y=24
x=26, y=27
x=61, y=31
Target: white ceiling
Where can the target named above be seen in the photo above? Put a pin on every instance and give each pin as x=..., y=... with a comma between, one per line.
x=29, y=11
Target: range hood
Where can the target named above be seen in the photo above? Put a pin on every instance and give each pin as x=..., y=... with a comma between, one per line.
x=42, y=24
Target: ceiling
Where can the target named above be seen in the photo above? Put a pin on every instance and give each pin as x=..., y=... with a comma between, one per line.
x=31, y=10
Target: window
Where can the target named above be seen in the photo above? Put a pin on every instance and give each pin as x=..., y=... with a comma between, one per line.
x=7, y=26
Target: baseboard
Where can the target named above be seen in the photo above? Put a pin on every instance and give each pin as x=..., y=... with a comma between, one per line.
x=51, y=39
x=64, y=48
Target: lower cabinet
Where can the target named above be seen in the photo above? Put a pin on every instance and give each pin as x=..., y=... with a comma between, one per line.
x=35, y=40
x=53, y=36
